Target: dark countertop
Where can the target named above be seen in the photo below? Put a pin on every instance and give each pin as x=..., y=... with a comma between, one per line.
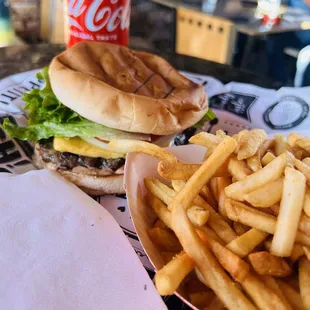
x=22, y=58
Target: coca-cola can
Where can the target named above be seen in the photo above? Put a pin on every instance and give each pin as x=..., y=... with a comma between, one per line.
x=97, y=20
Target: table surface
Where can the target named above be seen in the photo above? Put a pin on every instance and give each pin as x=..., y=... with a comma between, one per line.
x=22, y=58
x=244, y=16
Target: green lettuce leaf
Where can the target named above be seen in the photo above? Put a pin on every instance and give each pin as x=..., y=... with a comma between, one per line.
x=209, y=116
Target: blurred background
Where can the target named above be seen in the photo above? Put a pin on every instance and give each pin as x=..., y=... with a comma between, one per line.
x=270, y=38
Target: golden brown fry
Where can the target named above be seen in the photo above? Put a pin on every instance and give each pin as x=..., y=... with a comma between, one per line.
x=211, y=234
x=160, y=209
x=207, y=195
x=267, y=195
x=254, y=162
x=168, y=256
x=239, y=228
x=232, y=263
x=250, y=143
x=307, y=251
x=210, y=269
x=280, y=145
x=246, y=243
x=238, y=137
x=306, y=205
x=201, y=299
x=265, y=263
x=303, y=168
x=294, y=186
x=215, y=304
x=304, y=281
x=221, y=184
x=291, y=295
x=216, y=222
x=304, y=144
x=252, y=182
x=238, y=169
x=239, y=212
x=293, y=138
x=160, y=223
x=269, y=157
x=297, y=252
x=128, y=146
x=206, y=139
x=264, y=297
x=214, y=188
x=304, y=224
x=164, y=239
x=306, y=161
x=198, y=215
x=168, y=279
x=163, y=192
x=176, y=171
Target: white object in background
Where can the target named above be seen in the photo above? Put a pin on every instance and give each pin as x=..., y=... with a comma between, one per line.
x=65, y=251
x=270, y=8
x=303, y=60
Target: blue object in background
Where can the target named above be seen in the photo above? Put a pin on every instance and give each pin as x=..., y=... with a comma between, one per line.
x=6, y=29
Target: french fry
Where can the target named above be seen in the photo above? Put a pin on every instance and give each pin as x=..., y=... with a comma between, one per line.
x=291, y=295
x=160, y=190
x=214, y=188
x=198, y=215
x=159, y=223
x=168, y=279
x=232, y=263
x=252, y=182
x=254, y=162
x=194, y=285
x=273, y=285
x=206, y=139
x=221, y=184
x=164, y=239
x=307, y=251
x=211, y=234
x=127, y=146
x=168, y=256
x=220, y=133
x=239, y=212
x=215, y=221
x=293, y=138
x=306, y=161
x=303, y=168
x=238, y=169
x=215, y=304
x=280, y=145
x=207, y=195
x=176, y=171
x=264, y=297
x=294, y=186
x=304, y=281
x=306, y=205
x=160, y=209
x=239, y=228
x=246, y=243
x=269, y=157
x=304, y=224
x=267, y=195
x=238, y=137
x=251, y=143
x=304, y=144
x=265, y=263
x=210, y=269
x=201, y=299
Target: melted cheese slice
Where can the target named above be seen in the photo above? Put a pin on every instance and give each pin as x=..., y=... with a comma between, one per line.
x=80, y=147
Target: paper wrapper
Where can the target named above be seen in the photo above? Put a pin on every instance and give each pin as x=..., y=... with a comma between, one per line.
x=138, y=167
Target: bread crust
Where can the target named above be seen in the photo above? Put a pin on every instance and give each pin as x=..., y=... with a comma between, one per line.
x=127, y=90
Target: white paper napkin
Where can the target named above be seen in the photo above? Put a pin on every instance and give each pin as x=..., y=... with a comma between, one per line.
x=61, y=250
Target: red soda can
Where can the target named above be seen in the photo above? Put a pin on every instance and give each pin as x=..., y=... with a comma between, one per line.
x=98, y=20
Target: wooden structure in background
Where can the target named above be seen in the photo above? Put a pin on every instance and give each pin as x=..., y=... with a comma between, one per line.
x=204, y=36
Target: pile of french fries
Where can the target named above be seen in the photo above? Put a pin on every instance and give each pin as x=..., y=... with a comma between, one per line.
x=234, y=231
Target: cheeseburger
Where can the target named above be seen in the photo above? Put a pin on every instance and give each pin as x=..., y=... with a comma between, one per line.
x=96, y=92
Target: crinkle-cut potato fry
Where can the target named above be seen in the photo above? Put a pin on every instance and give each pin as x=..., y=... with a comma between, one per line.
x=250, y=143
x=273, y=285
x=303, y=168
x=267, y=195
x=168, y=256
x=268, y=157
x=265, y=263
x=238, y=168
x=201, y=299
x=239, y=228
x=246, y=243
x=176, y=171
x=304, y=144
x=307, y=251
x=207, y=195
x=252, y=182
x=304, y=281
x=293, y=193
x=264, y=297
x=306, y=161
x=127, y=146
x=168, y=279
x=239, y=212
x=232, y=263
x=206, y=139
x=238, y=138
x=164, y=239
x=292, y=296
x=212, y=272
x=216, y=222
